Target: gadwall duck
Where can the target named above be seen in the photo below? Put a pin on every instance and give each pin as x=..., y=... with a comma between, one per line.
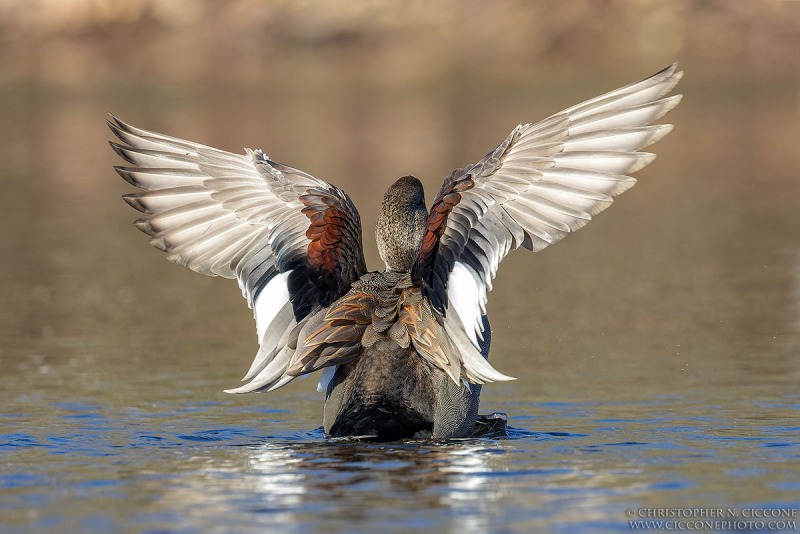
x=403, y=352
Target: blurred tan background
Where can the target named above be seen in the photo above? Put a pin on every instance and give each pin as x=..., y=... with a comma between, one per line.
x=68, y=41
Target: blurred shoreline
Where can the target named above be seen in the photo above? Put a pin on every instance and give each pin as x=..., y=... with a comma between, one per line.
x=71, y=43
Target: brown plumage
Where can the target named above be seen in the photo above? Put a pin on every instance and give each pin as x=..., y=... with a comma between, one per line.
x=404, y=351
x=401, y=223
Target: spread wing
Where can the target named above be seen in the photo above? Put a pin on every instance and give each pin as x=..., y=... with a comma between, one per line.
x=544, y=181
x=292, y=241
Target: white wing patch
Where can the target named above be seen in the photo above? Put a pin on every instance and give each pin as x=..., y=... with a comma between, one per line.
x=467, y=296
x=274, y=322
x=478, y=368
x=326, y=378
x=269, y=302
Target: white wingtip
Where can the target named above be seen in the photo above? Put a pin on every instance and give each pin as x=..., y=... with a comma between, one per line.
x=325, y=379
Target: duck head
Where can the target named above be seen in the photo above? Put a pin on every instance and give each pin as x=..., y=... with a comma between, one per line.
x=401, y=224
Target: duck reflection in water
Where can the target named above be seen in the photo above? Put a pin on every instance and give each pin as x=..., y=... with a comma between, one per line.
x=404, y=352
x=285, y=483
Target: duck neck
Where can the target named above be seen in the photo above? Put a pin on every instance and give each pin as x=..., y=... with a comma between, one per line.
x=401, y=224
